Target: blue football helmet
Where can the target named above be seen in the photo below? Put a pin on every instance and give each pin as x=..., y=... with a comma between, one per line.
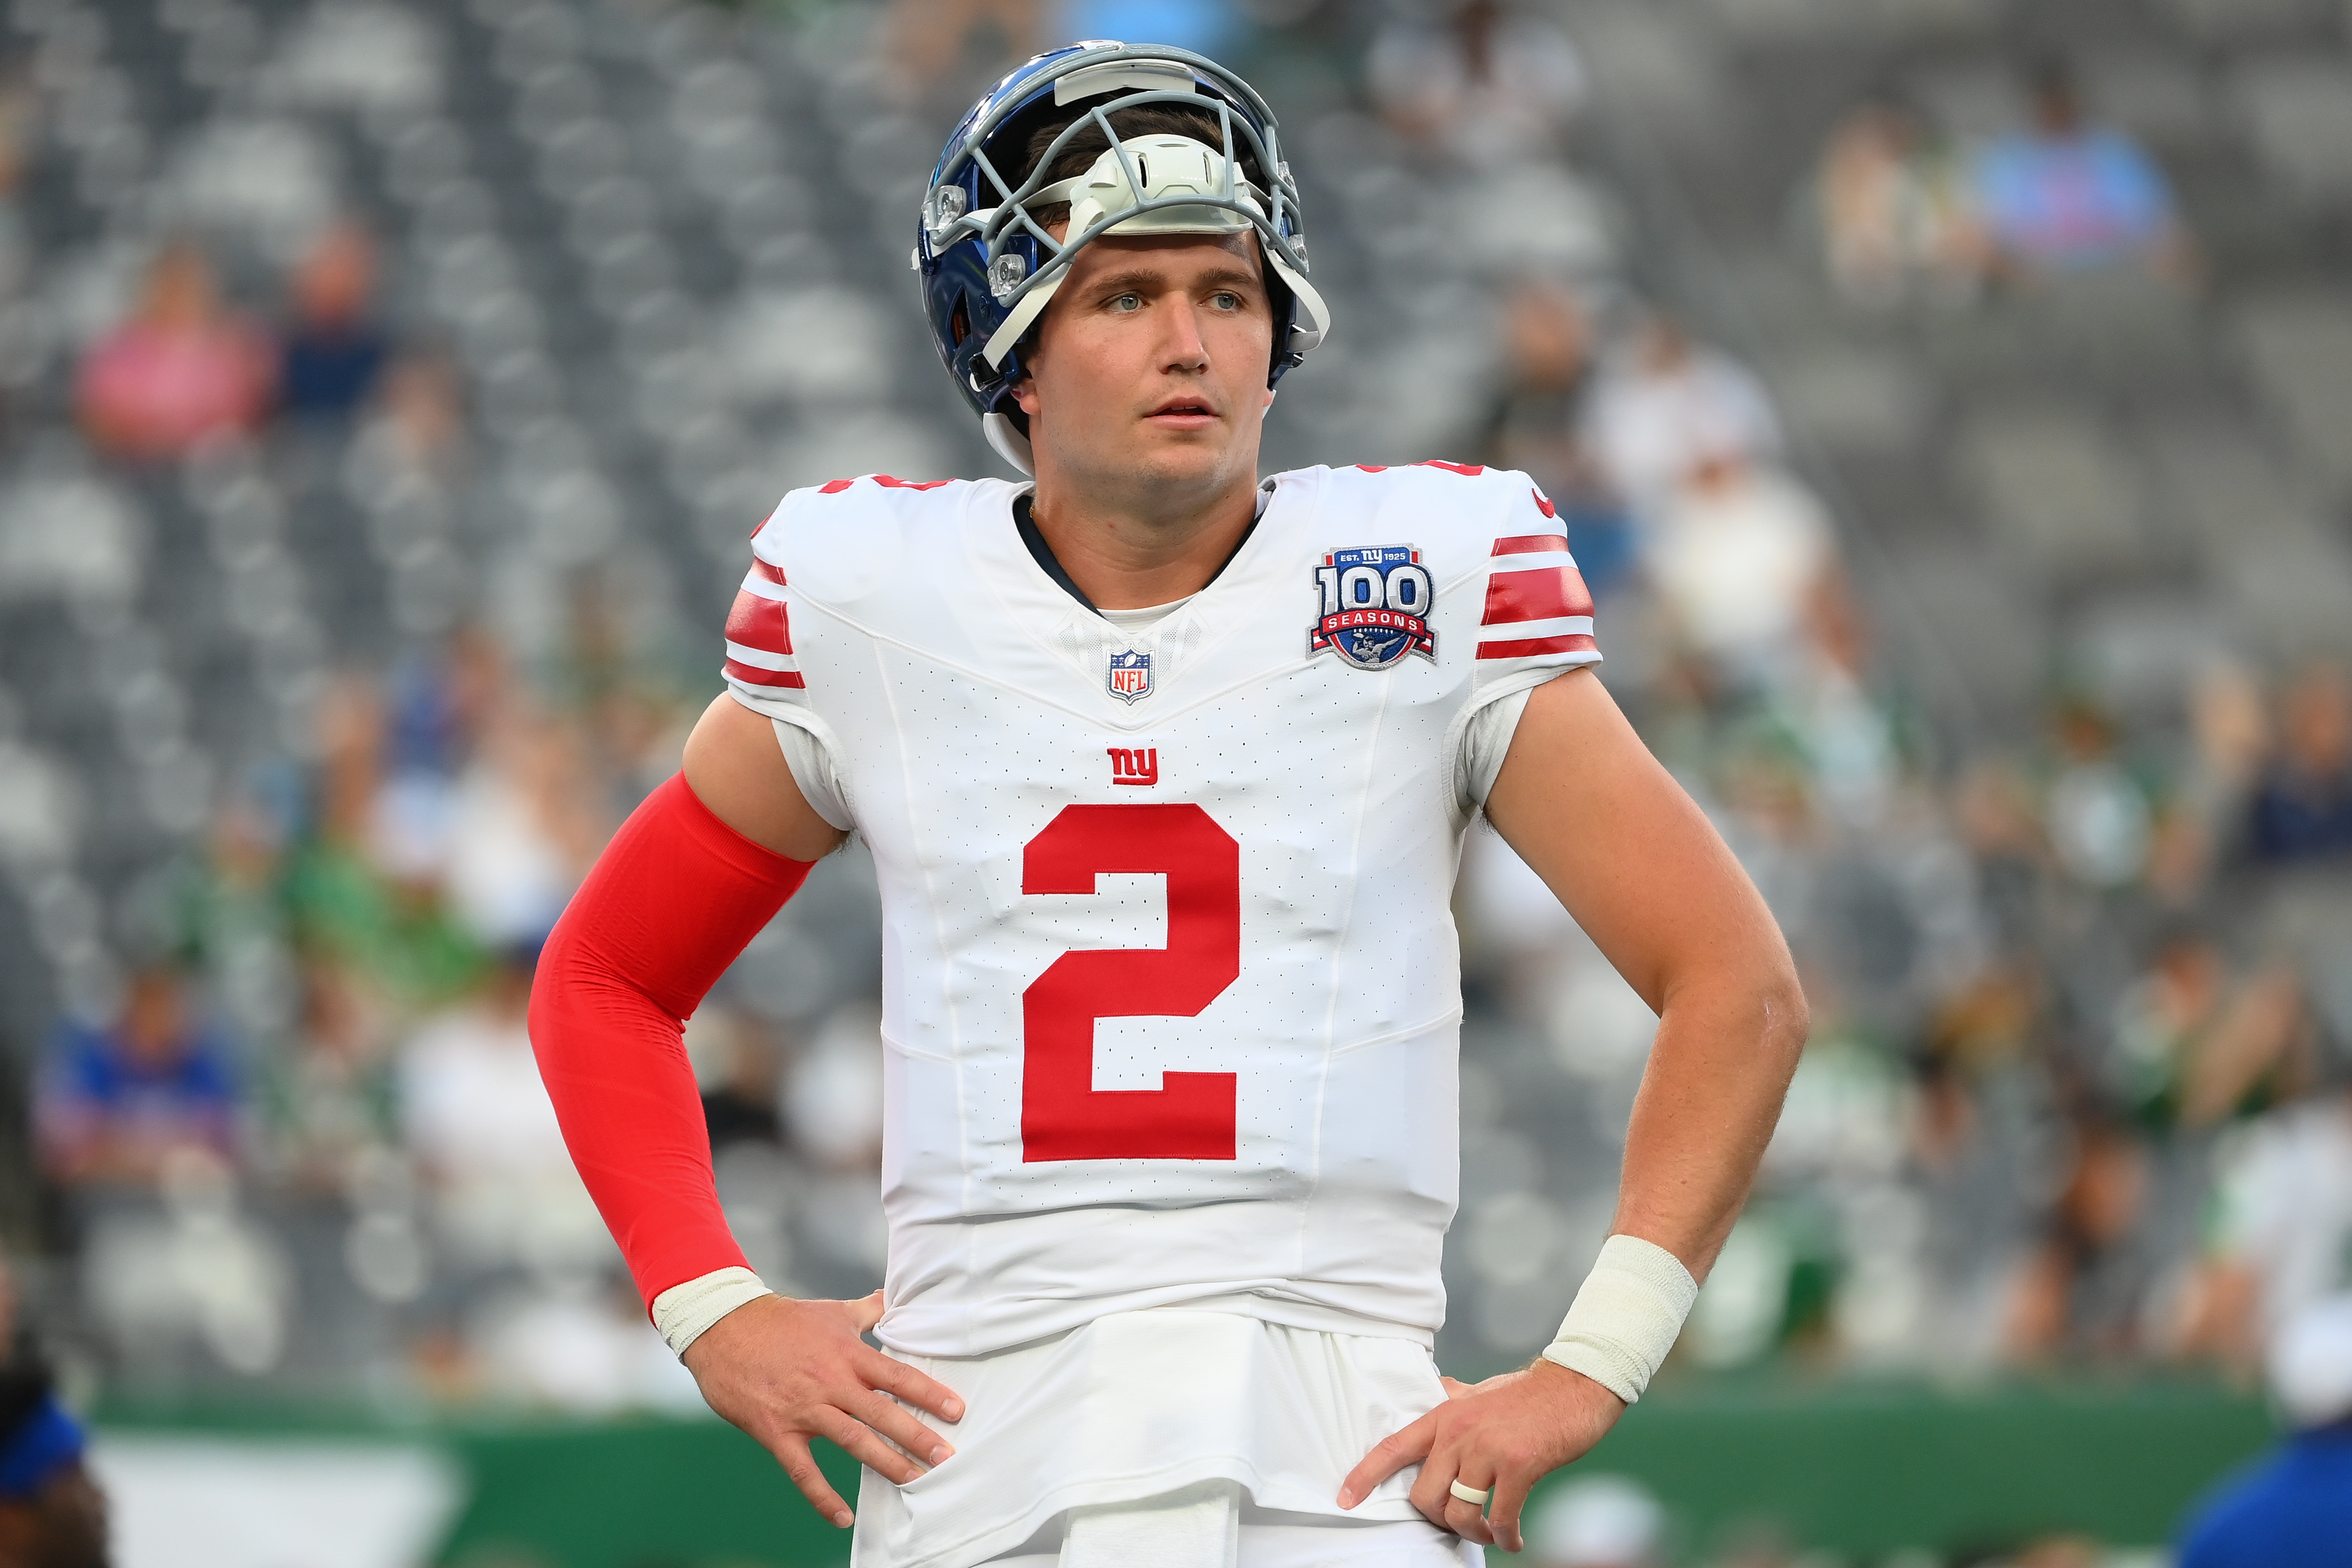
x=989, y=267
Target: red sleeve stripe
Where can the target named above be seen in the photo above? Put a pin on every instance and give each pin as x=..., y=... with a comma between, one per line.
x=766, y=571
x=1530, y=543
x=1537, y=595
x=758, y=667
x=1536, y=648
x=744, y=675
x=759, y=622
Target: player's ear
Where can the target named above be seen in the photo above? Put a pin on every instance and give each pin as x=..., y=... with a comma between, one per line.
x=1024, y=393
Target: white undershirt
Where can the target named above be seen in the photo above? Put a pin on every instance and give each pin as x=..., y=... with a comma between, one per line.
x=1143, y=620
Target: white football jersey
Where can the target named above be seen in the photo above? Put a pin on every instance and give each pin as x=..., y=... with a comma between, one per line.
x=1172, y=994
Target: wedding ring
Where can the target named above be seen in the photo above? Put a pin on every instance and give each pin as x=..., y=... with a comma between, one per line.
x=1475, y=1498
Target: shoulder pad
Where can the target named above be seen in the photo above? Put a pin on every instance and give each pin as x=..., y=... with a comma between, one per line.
x=1460, y=500
x=838, y=539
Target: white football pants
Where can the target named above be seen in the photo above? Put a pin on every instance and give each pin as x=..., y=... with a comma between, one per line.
x=1209, y=1526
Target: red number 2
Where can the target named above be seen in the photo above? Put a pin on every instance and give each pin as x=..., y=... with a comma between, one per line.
x=1063, y=1115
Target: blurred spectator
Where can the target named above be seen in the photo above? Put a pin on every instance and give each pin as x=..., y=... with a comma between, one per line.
x=2302, y=808
x=1204, y=27
x=52, y=1514
x=735, y=1062
x=2065, y=196
x=332, y=351
x=832, y=1095
x=525, y=823
x=1666, y=405
x=2207, y=819
x=1741, y=555
x=1595, y=1522
x=2100, y=817
x=115, y=1102
x=2077, y=1291
x=414, y=437
x=1893, y=209
x=2294, y=1509
x=2283, y=1223
x=931, y=44
x=478, y=1122
x=1488, y=85
x=1537, y=426
x=2189, y=1048
x=224, y=910
x=583, y=1346
x=180, y=369
x=326, y=1097
x=365, y=887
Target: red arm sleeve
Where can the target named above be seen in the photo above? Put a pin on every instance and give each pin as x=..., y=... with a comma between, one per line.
x=675, y=897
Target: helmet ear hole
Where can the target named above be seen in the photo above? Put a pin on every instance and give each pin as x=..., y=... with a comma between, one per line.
x=959, y=321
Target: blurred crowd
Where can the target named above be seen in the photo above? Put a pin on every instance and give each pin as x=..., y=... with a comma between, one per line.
x=2078, y=996
x=2080, y=1087
x=1907, y=214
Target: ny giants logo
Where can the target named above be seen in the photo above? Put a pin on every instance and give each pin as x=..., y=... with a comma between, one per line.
x=1375, y=606
x=1140, y=766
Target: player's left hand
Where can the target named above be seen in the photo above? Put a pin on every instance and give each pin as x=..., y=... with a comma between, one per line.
x=1506, y=1433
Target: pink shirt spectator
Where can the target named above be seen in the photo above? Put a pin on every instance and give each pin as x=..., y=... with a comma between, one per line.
x=178, y=370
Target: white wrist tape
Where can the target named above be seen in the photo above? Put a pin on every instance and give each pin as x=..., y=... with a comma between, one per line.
x=1625, y=1317
x=683, y=1311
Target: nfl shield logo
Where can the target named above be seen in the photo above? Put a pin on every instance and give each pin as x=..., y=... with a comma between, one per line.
x=1131, y=676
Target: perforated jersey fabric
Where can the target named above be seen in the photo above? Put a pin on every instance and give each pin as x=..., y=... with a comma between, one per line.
x=1171, y=995
x=1293, y=863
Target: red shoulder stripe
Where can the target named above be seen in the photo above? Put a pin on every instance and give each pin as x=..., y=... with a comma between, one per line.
x=760, y=622
x=1537, y=595
x=752, y=675
x=1533, y=648
x=1529, y=544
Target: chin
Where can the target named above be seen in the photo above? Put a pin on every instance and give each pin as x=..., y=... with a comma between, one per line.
x=1180, y=457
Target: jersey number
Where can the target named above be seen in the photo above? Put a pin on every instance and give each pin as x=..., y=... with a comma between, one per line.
x=1063, y=1115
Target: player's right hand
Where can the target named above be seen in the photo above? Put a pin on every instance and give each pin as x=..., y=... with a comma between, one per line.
x=787, y=1370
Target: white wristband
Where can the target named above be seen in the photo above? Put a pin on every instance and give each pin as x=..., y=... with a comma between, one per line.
x=1625, y=1317
x=683, y=1311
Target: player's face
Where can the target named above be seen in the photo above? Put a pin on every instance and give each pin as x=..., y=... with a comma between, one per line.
x=1150, y=369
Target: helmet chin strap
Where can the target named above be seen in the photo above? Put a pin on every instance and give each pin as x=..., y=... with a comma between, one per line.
x=1011, y=445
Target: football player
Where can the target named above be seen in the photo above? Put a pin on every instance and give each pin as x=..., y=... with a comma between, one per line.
x=1165, y=771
